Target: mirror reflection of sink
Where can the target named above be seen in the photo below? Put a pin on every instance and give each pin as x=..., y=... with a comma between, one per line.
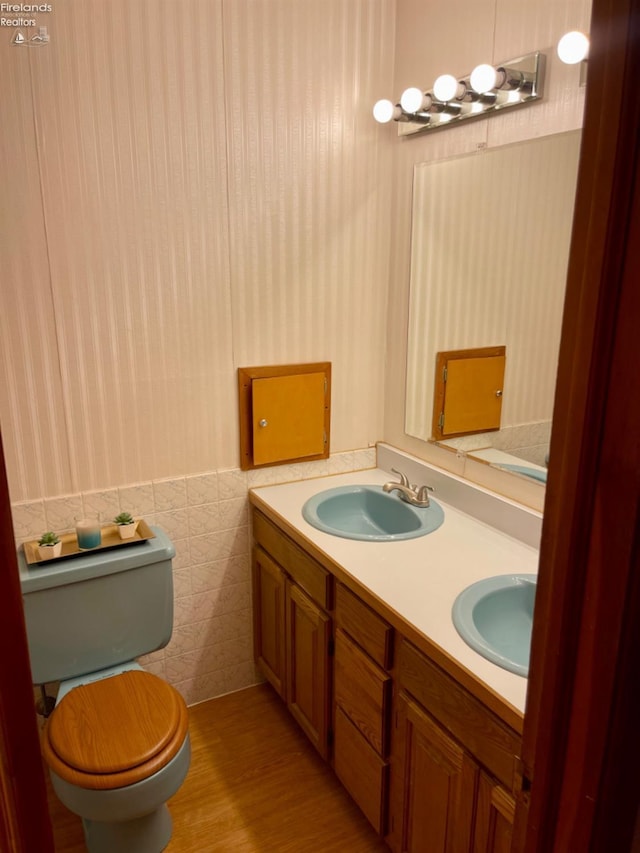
x=494, y=616
x=367, y=513
x=535, y=473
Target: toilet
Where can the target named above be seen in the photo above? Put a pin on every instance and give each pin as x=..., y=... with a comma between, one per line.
x=117, y=741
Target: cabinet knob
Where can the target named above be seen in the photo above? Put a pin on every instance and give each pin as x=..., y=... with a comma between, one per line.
x=263, y=422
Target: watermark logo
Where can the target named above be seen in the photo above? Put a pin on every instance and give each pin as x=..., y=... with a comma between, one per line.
x=41, y=37
x=27, y=32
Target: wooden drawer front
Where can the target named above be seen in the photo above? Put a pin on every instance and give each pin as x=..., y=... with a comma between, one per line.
x=362, y=772
x=495, y=745
x=363, y=691
x=365, y=626
x=306, y=572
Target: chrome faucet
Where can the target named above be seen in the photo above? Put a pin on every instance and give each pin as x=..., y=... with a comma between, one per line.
x=416, y=495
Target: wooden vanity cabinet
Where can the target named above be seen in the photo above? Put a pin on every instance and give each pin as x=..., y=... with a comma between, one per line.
x=269, y=620
x=432, y=767
x=362, y=695
x=434, y=785
x=292, y=629
x=495, y=813
x=453, y=765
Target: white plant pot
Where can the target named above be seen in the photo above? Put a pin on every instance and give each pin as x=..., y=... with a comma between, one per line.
x=48, y=552
x=127, y=531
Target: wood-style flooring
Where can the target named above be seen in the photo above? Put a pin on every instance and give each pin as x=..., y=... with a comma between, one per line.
x=255, y=784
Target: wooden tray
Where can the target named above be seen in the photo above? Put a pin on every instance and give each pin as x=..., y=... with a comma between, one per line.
x=110, y=539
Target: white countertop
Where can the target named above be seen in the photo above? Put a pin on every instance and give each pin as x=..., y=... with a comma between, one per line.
x=419, y=578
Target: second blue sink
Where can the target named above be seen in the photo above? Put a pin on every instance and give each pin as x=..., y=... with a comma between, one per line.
x=368, y=513
x=495, y=616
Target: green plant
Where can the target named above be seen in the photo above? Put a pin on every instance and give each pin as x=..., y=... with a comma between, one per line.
x=49, y=538
x=123, y=518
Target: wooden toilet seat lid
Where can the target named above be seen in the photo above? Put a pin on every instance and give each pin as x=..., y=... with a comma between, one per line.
x=113, y=726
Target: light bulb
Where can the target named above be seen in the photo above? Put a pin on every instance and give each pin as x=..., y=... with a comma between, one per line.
x=412, y=100
x=483, y=79
x=384, y=111
x=573, y=47
x=446, y=87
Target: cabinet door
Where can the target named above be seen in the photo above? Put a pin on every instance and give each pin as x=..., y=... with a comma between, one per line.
x=434, y=786
x=269, y=619
x=308, y=677
x=494, y=818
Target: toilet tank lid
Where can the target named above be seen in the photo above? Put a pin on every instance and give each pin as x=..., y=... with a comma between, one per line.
x=95, y=563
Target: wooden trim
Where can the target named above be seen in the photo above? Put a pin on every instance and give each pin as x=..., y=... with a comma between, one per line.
x=580, y=745
x=24, y=816
x=246, y=375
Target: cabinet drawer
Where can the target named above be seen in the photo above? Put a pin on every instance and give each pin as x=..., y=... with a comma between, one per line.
x=363, y=691
x=362, y=772
x=305, y=571
x=495, y=745
x=365, y=626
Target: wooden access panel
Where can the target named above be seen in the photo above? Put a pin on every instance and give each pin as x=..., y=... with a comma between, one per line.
x=468, y=391
x=284, y=413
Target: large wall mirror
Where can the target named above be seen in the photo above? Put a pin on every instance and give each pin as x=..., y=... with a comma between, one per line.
x=489, y=253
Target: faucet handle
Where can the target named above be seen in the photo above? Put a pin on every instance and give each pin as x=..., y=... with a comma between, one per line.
x=423, y=494
x=404, y=480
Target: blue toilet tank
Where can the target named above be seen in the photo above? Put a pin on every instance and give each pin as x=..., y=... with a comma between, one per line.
x=98, y=610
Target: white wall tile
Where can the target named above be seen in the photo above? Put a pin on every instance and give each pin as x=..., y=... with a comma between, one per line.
x=137, y=499
x=105, y=503
x=62, y=512
x=204, y=518
x=29, y=520
x=202, y=489
x=170, y=494
x=232, y=483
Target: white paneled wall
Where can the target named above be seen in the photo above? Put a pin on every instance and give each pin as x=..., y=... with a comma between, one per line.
x=308, y=265
x=203, y=192
x=190, y=187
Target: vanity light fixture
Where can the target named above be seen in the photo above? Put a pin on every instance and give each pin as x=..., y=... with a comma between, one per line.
x=384, y=110
x=485, y=90
x=573, y=47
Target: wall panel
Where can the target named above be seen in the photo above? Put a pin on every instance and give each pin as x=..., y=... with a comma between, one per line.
x=308, y=190
x=130, y=120
x=32, y=410
x=213, y=194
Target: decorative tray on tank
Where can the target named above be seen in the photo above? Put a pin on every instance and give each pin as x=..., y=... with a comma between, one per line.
x=110, y=539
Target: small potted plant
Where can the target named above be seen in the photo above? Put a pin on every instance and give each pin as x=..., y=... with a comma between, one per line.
x=49, y=546
x=126, y=525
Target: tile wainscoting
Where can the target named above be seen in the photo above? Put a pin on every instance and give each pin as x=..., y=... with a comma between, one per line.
x=207, y=517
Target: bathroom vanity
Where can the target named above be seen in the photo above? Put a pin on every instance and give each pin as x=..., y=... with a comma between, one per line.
x=357, y=639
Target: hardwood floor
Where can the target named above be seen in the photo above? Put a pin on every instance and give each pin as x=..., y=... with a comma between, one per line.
x=255, y=784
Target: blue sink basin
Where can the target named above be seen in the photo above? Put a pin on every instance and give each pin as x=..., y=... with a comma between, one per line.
x=368, y=513
x=494, y=616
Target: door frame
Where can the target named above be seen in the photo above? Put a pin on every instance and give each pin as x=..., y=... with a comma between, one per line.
x=579, y=738
x=25, y=825
x=580, y=743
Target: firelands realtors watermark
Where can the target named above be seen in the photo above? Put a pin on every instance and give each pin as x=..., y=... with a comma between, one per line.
x=21, y=18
